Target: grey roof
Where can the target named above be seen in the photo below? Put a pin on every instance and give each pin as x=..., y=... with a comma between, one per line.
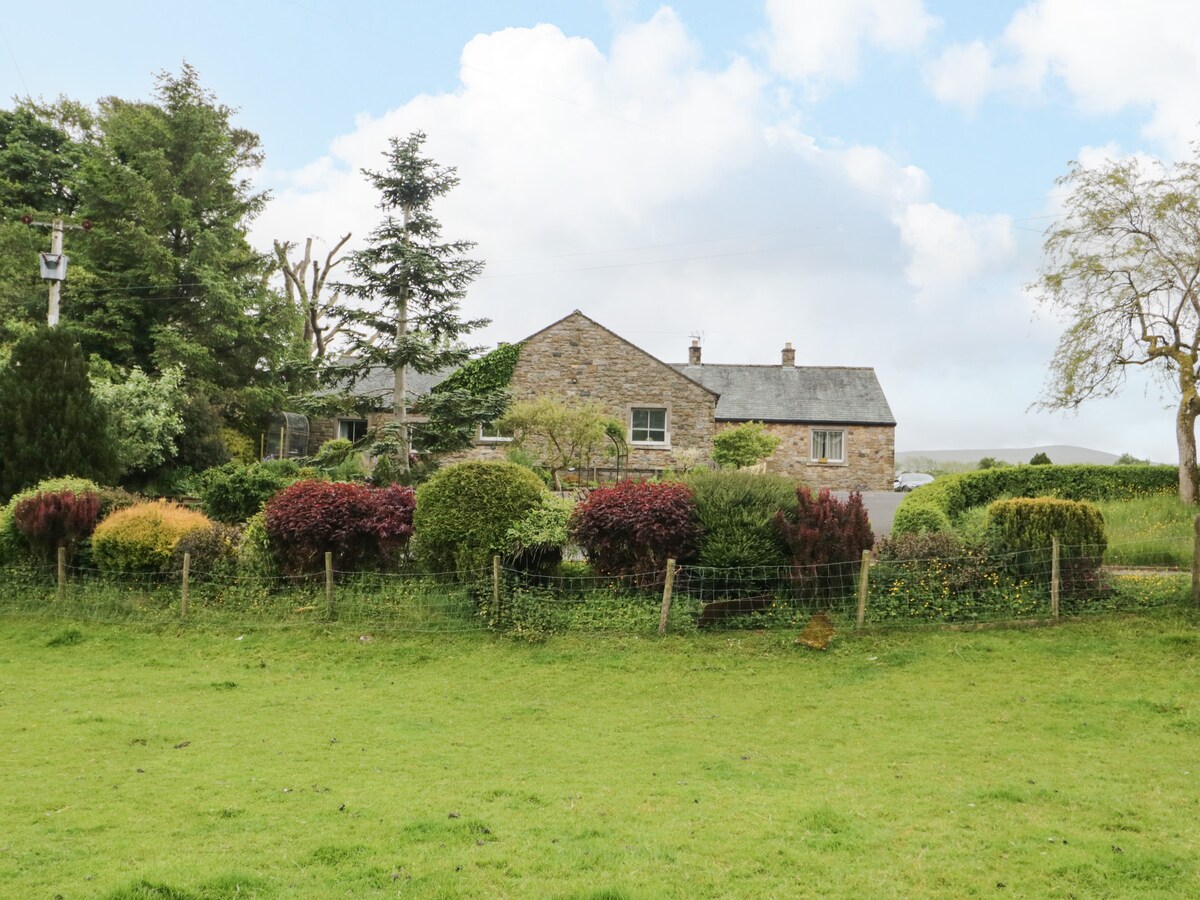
x=377, y=384
x=817, y=394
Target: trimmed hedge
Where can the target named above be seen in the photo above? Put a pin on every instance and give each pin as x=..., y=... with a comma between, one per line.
x=1029, y=524
x=1026, y=528
x=951, y=495
x=142, y=538
x=465, y=510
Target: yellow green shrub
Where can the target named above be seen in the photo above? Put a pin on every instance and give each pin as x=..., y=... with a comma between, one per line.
x=142, y=538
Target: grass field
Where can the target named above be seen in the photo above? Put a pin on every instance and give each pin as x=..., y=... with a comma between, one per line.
x=167, y=764
x=1151, y=531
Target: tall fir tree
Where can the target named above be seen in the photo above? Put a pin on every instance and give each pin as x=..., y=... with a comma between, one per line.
x=50, y=424
x=409, y=281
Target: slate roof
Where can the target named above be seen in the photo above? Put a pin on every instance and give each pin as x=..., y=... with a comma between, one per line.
x=810, y=394
x=377, y=384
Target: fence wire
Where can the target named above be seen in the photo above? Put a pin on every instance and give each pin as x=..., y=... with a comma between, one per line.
x=960, y=589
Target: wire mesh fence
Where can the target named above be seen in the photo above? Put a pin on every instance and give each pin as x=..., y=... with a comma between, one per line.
x=1040, y=585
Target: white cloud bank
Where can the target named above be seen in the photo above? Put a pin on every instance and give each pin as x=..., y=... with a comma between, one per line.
x=817, y=40
x=1111, y=57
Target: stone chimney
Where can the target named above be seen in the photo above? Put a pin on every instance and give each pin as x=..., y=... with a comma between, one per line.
x=694, y=353
x=789, y=355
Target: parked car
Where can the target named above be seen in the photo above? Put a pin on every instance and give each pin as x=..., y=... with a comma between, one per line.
x=906, y=481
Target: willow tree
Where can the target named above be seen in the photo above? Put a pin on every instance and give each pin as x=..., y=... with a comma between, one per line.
x=408, y=281
x=1122, y=265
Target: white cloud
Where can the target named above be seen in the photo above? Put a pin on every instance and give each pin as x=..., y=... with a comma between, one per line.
x=1114, y=56
x=819, y=40
x=950, y=252
x=964, y=74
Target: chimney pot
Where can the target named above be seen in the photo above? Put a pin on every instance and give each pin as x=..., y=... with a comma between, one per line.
x=694, y=353
x=789, y=355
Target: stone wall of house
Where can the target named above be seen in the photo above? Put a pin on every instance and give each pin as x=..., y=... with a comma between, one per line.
x=576, y=359
x=322, y=430
x=870, y=456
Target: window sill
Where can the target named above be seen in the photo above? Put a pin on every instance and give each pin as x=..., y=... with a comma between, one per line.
x=495, y=440
x=651, y=445
x=828, y=463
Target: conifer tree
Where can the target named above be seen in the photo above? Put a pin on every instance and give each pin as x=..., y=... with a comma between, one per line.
x=50, y=424
x=409, y=280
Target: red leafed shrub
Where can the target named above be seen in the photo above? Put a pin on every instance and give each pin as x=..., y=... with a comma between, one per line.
x=354, y=522
x=635, y=527
x=53, y=519
x=826, y=538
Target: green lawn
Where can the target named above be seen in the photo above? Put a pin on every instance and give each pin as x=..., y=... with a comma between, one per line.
x=174, y=764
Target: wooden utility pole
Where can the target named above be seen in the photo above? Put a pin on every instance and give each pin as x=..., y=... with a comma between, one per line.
x=59, y=264
x=54, y=263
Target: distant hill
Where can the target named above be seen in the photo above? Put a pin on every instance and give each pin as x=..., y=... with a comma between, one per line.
x=1059, y=453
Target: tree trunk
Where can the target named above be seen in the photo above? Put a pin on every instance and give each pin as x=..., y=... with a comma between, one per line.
x=399, y=385
x=1185, y=436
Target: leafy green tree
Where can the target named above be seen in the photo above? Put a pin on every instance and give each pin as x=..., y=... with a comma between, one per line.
x=411, y=282
x=175, y=280
x=50, y=424
x=1040, y=459
x=1123, y=267
x=39, y=163
x=743, y=445
x=39, y=166
x=1128, y=459
x=990, y=462
x=144, y=414
x=562, y=435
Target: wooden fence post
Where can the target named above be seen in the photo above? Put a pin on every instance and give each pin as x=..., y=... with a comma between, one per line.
x=329, y=583
x=1196, y=563
x=1055, y=575
x=668, y=587
x=61, y=590
x=863, y=584
x=496, y=588
x=183, y=600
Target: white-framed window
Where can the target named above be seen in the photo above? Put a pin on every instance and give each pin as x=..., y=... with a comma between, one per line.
x=648, y=425
x=352, y=429
x=828, y=445
x=489, y=433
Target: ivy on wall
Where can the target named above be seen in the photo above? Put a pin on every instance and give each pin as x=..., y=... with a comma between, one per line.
x=488, y=374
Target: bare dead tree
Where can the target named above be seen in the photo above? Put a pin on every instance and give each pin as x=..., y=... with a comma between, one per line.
x=309, y=296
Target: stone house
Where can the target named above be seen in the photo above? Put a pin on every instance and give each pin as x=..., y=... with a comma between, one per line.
x=836, y=427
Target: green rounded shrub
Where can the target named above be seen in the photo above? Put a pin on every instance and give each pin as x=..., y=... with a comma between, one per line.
x=465, y=510
x=737, y=510
x=535, y=542
x=917, y=518
x=232, y=493
x=142, y=538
